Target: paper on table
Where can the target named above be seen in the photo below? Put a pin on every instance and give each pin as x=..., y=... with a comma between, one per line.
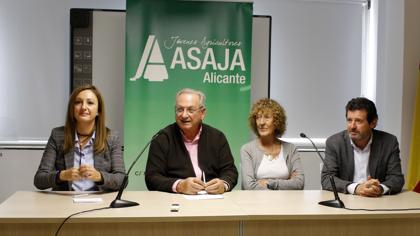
x=87, y=200
x=203, y=196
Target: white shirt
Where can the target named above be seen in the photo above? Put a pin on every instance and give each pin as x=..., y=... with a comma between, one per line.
x=273, y=168
x=361, y=163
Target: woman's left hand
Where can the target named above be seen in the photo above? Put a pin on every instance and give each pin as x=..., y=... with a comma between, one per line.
x=263, y=182
x=90, y=173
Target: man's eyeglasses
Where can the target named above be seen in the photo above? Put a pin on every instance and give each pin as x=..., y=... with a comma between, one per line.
x=190, y=110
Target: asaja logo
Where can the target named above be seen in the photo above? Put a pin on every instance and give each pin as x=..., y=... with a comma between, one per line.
x=151, y=62
x=221, y=61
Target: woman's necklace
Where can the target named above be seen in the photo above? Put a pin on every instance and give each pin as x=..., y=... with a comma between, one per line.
x=84, y=138
x=271, y=152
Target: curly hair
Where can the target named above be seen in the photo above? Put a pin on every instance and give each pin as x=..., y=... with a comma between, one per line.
x=265, y=105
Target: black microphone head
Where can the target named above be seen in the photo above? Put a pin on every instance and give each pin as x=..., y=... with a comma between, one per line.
x=302, y=135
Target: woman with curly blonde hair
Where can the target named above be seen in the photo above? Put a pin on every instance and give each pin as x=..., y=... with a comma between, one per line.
x=267, y=162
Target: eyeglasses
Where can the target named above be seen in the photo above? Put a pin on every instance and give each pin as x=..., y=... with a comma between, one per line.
x=190, y=110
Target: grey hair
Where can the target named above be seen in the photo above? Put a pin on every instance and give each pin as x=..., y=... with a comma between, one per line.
x=201, y=96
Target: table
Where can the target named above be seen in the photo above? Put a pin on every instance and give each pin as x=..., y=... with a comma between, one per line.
x=239, y=213
x=297, y=213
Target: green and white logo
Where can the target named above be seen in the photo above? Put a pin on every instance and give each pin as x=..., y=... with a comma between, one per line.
x=226, y=67
x=204, y=45
x=151, y=63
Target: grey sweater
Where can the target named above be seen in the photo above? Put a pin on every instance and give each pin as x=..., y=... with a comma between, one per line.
x=251, y=157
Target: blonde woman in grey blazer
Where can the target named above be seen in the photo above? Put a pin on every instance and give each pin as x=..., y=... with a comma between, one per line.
x=267, y=162
x=83, y=155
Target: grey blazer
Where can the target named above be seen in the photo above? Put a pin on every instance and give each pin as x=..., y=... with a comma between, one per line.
x=384, y=161
x=251, y=157
x=109, y=163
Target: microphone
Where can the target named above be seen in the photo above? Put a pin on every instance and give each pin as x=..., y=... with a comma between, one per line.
x=337, y=203
x=117, y=202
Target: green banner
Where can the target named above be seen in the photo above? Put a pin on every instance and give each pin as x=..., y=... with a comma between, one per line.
x=172, y=45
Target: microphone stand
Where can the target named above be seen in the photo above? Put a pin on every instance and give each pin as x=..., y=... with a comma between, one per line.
x=118, y=202
x=337, y=203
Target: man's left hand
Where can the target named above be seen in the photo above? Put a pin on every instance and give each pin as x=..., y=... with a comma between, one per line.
x=215, y=186
x=369, y=188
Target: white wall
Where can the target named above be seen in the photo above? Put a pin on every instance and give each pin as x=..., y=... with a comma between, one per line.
x=398, y=62
x=17, y=170
x=316, y=67
x=34, y=56
x=390, y=65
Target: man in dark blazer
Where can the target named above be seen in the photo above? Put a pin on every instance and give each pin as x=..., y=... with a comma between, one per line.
x=188, y=156
x=363, y=161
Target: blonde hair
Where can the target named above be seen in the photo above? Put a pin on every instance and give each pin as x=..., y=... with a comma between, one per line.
x=101, y=132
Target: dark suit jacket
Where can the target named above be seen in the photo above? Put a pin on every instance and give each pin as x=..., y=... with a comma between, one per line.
x=110, y=163
x=169, y=160
x=384, y=161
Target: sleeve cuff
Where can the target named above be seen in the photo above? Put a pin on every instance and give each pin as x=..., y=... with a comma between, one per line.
x=102, y=181
x=227, y=186
x=385, y=188
x=175, y=184
x=57, y=177
x=351, y=188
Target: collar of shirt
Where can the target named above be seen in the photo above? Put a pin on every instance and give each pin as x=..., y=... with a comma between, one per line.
x=366, y=149
x=91, y=140
x=194, y=140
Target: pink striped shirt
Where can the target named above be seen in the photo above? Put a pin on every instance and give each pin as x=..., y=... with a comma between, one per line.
x=192, y=148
